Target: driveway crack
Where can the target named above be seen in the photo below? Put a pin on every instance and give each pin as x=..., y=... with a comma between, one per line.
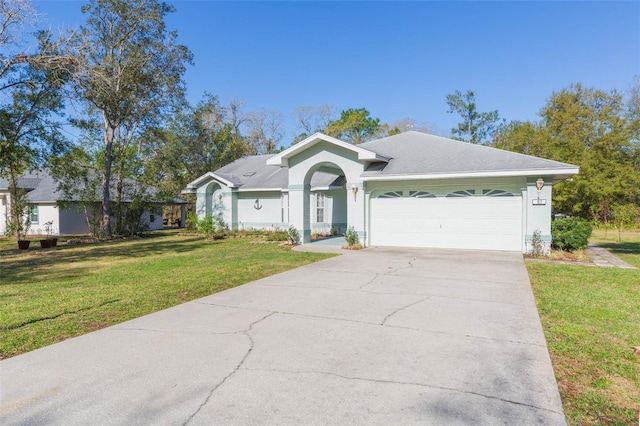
x=397, y=382
x=403, y=308
x=237, y=367
x=388, y=273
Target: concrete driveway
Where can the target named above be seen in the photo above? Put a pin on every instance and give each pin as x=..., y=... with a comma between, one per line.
x=380, y=336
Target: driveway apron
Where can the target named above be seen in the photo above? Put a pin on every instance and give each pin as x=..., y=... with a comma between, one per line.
x=379, y=336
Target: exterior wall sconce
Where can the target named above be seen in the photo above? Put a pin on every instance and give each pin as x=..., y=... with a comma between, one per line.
x=539, y=186
x=219, y=196
x=354, y=189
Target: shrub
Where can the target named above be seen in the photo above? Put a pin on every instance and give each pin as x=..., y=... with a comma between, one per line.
x=537, y=245
x=192, y=222
x=212, y=228
x=570, y=233
x=293, y=235
x=351, y=236
x=276, y=235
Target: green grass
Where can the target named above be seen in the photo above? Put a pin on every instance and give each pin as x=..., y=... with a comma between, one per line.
x=591, y=319
x=48, y=295
x=626, y=249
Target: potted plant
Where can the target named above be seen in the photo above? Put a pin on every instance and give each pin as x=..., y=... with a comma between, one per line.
x=45, y=243
x=49, y=231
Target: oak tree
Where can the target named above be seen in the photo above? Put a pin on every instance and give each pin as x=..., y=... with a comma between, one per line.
x=129, y=71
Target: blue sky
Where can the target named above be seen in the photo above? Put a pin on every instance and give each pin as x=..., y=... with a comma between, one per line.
x=398, y=59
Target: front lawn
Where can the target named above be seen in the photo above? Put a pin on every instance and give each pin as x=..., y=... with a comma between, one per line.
x=627, y=249
x=48, y=295
x=591, y=319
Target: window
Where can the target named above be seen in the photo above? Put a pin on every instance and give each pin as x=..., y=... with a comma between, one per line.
x=421, y=194
x=152, y=218
x=34, y=217
x=319, y=208
x=496, y=193
x=391, y=194
x=463, y=193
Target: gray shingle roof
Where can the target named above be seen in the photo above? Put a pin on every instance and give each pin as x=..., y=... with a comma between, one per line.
x=415, y=153
x=253, y=173
x=410, y=154
x=43, y=188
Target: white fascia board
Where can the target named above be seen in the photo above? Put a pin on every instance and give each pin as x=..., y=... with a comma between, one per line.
x=262, y=190
x=326, y=188
x=537, y=172
x=209, y=175
x=282, y=159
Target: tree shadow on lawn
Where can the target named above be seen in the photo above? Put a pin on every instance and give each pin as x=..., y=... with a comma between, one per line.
x=622, y=248
x=43, y=263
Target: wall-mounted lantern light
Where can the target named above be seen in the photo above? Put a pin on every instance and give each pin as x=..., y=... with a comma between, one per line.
x=219, y=196
x=539, y=186
x=354, y=189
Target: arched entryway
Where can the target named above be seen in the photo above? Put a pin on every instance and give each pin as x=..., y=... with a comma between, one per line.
x=325, y=188
x=302, y=176
x=320, y=153
x=214, y=200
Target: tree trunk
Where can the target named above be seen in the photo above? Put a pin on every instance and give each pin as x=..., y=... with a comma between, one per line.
x=119, y=204
x=14, y=211
x=106, y=179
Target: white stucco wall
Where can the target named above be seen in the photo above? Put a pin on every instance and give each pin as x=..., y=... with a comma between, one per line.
x=3, y=214
x=46, y=213
x=156, y=223
x=260, y=210
x=538, y=215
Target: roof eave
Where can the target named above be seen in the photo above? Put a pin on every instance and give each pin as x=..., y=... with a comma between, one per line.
x=194, y=185
x=558, y=174
x=243, y=189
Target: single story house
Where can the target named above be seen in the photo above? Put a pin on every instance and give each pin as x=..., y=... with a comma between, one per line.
x=410, y=189
x=44, y=199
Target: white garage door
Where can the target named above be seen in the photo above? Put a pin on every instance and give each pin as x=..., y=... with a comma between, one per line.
x=489, y=219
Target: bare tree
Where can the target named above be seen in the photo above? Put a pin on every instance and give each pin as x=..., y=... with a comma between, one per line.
x=309, y=119
x=14, y=16
x=407, y=124
x=266, y=130
x=237, y=118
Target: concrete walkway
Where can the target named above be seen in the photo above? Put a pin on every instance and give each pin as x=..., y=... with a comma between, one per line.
x=378, y=336
x=602, y=257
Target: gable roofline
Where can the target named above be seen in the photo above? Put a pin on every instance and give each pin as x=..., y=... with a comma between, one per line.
x=282, y=159
x=195, y=184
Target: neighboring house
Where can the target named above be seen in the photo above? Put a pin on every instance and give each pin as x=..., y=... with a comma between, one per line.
x=43, y=198
x=411, y=189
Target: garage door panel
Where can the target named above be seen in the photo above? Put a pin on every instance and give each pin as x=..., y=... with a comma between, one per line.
x=493, y=223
